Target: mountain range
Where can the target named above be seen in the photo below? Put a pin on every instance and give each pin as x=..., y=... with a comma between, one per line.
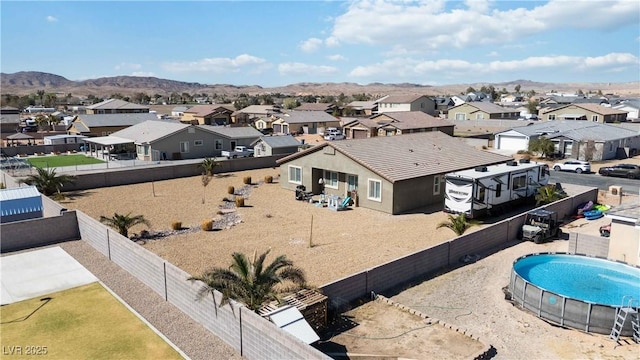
x=28, y=82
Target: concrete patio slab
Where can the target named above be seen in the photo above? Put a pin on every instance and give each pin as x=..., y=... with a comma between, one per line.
x=40, y=272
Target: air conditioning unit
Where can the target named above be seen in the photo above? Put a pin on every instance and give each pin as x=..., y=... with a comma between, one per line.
x=512, y=163
x=524, y=161
x=481, y=169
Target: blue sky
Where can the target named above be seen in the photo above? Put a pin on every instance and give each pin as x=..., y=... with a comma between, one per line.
x=275, y=43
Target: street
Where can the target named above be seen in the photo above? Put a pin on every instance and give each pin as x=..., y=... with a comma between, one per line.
x=595, y=180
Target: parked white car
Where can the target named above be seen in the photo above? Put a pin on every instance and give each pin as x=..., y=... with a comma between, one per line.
x=333, y=134
x=577, y=166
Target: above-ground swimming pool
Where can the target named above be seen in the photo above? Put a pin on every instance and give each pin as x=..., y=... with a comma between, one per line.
x=575, y=290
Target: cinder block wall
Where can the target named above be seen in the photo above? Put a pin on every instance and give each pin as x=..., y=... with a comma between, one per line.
x=588, y=245
x=38, y=232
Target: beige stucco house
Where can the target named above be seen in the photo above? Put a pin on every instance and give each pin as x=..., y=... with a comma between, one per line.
x=303, y=122
x=392, y=174
x=396, y=103
x=585, y=112
x=208, y=115
x=396, y=123
x=116, y=106
x=105, y=124
x=479, y=110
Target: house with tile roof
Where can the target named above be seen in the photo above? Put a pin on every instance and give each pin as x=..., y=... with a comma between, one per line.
x=275, y=145
x=583, y=140
x=584, y=112
x=396, y=123
x=361, y=108
x=391, y=174
x=396, y=103
x=479, y=110
x=217, y=114
x=105, y=124
x=326, y=107
x=155, y=140
x=116, y=106
x=303, y=122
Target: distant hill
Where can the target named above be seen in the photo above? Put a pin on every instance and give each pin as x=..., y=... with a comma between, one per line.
x=27, y=82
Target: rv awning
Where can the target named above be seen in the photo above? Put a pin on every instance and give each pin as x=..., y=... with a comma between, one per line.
x=108, y=140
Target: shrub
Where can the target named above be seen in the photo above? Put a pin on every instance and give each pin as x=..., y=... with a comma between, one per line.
x=239, y=201
x=231, y=190
x=247, y=180
x=206, y=225
x=268, y=179
x=176, y=225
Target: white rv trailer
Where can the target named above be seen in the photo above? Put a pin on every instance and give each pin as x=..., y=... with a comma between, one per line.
x=479, y=191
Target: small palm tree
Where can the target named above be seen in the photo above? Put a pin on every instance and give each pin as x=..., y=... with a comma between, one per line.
x=123, y=223
x=250, y=281
x=459, y=224
x=548, y=194
x=47, y=181
x=208, y=166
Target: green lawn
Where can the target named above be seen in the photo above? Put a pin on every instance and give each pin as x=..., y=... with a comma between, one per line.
x=56, y=161
x=86, y=322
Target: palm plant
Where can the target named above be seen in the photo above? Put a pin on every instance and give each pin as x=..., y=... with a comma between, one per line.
x=208, y=166
x=548, y=194
x=47, y=181
x=251, y=282
x=459, y=224
x=123, y=223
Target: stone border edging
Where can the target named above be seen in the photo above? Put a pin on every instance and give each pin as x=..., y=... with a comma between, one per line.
x=486, y=354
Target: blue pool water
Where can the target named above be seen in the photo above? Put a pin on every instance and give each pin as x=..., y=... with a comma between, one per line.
x=584, y=278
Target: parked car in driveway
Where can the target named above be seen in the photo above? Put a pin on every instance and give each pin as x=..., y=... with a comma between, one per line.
x=630, y=171
x=577, y=166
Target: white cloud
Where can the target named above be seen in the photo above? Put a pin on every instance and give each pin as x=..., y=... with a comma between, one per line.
x=52, y=18
x=288, y=69
x=310, y=45
x=428, y=25
x=218, y=65
x=409, y=67
x=143, y=74
x=336, y=57
x=127, y=66
x=493, y=54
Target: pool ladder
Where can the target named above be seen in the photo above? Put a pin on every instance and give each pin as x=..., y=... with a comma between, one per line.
x=621, y=317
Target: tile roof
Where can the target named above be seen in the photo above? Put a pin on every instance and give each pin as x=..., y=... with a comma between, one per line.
x=204, y=110
x=488, y=107
x=260, y=109
x=599, y=109
x=414, y=120
x=116, y=104
x=298, y=117
x=315, y=107
x=245, y=132
x=361, y=105
x=278, y=141
x=98, y=120
x=397, y=158
x=399, y=99
x=150, y=130
x=576, y=130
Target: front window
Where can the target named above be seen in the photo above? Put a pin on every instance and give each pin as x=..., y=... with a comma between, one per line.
x=375, y=190
x=594, y=118
x=295, y=174
x=460, y=116
x=479, y=116
x=184, y=146
x=331, y=179
x=218, y=144
x=198, y=142
x=436, y=184
x=552, y=116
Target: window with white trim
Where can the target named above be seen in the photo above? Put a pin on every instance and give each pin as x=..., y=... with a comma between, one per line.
x=218, y=145
x=375, y=190
x=295, y=174
x=184, y=147
x=594, y=118
x=479, y=116
x=331, y=179
x=552, y=116
x=198, y=142
x=352, y=182
x=460, y=116
x=437, y=180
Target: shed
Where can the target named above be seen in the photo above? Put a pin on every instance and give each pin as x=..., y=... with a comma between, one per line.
x=275, y=145
x=20, y=203
x=63, y=139
x=311, y=304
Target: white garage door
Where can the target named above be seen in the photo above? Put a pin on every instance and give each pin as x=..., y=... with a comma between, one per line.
x=514, y=143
